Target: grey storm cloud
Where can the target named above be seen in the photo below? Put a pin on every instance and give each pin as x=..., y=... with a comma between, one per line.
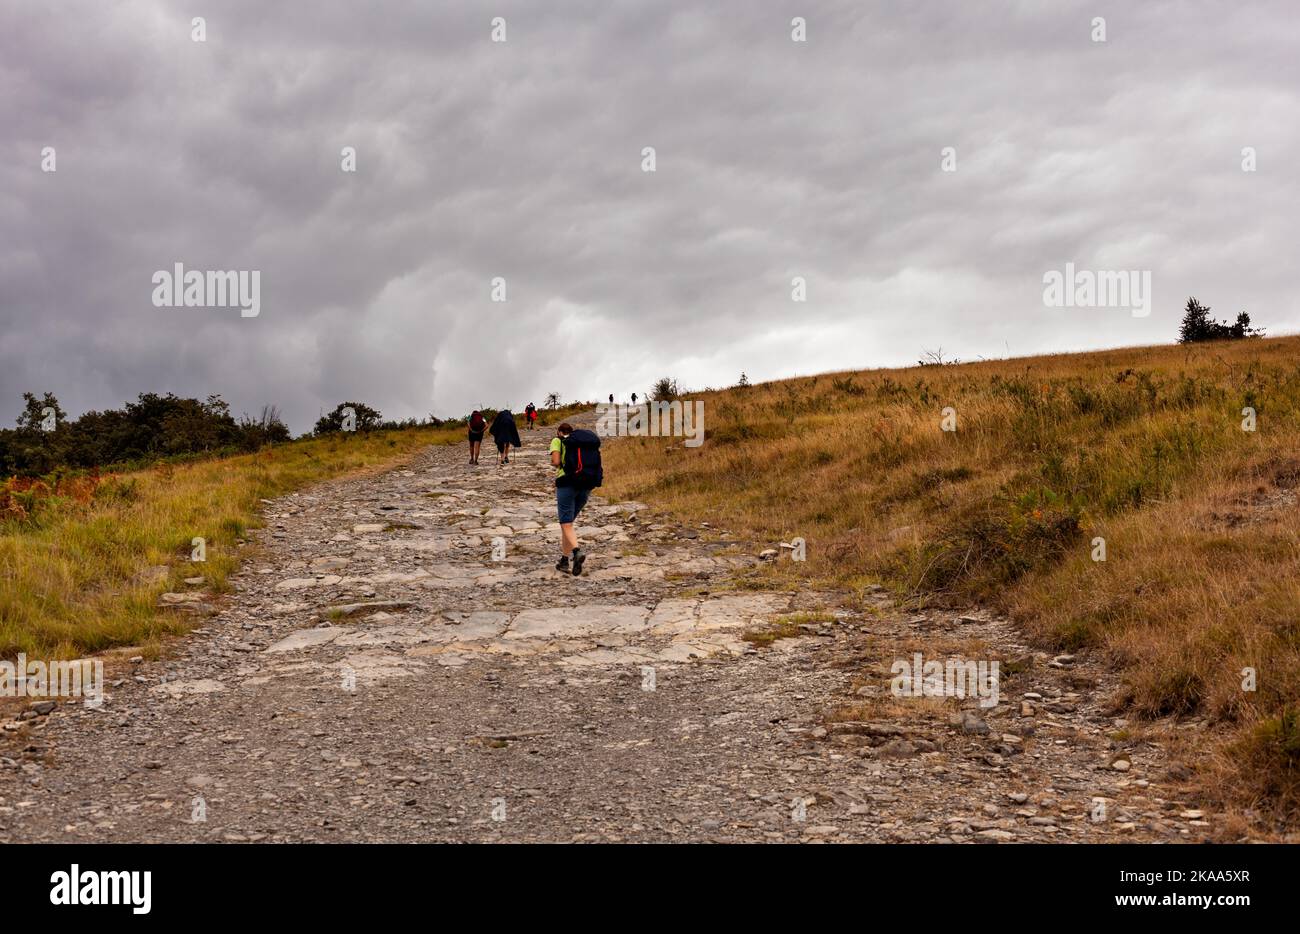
x=522, y=160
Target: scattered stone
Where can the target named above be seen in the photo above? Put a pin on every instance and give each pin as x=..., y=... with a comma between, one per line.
x=183, y=688
x=353, y=610
x=898, y=749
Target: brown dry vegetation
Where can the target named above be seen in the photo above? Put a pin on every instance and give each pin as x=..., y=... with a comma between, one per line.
x=1143, y=447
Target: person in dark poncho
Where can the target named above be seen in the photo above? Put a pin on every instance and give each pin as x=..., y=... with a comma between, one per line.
x=505, y=434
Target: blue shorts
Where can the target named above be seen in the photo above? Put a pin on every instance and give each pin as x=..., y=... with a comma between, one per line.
x=570, y=501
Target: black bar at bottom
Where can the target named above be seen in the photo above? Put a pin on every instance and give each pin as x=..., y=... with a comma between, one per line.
x=336, y=883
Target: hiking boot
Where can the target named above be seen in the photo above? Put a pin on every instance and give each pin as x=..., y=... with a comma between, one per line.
x=578, y=559
x=562, y=564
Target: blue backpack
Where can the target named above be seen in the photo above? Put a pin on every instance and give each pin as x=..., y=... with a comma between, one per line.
x=582, y=460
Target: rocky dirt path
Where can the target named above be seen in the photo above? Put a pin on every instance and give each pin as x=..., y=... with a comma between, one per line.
x=400, y=661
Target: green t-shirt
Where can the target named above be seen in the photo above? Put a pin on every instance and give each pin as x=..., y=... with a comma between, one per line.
x=558, y=445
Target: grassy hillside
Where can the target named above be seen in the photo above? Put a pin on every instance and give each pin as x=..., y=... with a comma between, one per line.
x=1142, y=447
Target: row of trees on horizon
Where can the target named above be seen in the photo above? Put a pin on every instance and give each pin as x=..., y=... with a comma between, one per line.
x=156, y=427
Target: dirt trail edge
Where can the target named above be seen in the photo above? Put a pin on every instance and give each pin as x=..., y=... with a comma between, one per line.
x=400, y=661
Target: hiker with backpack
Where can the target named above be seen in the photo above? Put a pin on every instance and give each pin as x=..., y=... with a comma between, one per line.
x=477, y=424
x=575, y=455
x=531, y=414
x=505, y=433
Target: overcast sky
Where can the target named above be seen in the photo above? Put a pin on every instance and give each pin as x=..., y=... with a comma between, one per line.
x=523, y=159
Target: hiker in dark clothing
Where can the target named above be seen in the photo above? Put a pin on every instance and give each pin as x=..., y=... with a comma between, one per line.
x=634, y=398
x=477, y=424
x=611, y=398
x=505, y=433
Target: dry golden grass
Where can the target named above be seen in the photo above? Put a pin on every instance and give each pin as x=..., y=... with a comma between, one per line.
x=1143, y=447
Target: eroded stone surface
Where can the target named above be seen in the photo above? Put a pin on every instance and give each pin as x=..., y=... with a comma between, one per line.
x=304, y=639
x=183, y=688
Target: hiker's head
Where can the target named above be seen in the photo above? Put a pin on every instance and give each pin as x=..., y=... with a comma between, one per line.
x=564, y=429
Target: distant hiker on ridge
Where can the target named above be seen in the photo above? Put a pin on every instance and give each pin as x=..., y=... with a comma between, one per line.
x=530, y=412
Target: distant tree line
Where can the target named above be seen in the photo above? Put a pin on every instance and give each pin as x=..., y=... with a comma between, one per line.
x=156, y=427
x=357, y=416
x=151, y=428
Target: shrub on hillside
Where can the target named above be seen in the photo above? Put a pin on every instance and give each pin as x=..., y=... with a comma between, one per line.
x=348, y=416
x=1199, y=326
x=664, y=390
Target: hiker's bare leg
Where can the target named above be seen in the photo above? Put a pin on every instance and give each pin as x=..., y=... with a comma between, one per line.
x=568, y=539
